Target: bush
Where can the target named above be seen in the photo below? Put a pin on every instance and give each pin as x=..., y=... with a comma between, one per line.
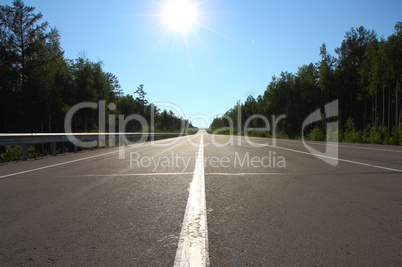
x=282, y=135
x=374, y=134
x=264, y=134
x=333, y=135
x=398, y=134
x=316, y=135
x=351, y=135
x=14, y=153
x=11, y=153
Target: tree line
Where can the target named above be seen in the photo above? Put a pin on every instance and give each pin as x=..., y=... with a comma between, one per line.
x=365, y=76
x=39, y=85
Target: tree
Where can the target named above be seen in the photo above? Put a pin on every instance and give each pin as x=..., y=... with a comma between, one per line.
x=326, y=73
x=144, y=108
x=394, y=55
x=141, y=95
x=364, y=66
x=9, y=78
x=351, y=55
x=22, y=32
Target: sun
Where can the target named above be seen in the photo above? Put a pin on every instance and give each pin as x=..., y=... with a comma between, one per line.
x=179, y=15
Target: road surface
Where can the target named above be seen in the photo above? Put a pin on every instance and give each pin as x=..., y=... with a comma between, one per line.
x=205, y=200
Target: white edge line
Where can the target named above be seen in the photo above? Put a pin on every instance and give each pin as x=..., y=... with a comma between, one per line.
x=130, y=174
x=329, y=143
x=59, y=164
x=131, y=147
x=344, y=160
x=322, y=156
x=249, y=174
x=192, y=249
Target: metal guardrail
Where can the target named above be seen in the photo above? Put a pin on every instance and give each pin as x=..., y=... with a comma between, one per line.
x=53, y=138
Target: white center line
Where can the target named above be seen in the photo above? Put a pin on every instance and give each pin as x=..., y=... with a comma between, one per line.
x=193, y=243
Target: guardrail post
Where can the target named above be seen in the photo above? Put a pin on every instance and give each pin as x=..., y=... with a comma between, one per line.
x=24, y=152
x=75, y=149
x=54, y=149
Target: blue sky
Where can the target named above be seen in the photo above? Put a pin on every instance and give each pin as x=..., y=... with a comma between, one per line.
x=233, y=50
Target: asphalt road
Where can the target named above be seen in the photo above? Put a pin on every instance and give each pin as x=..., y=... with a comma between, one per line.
x=263, y=205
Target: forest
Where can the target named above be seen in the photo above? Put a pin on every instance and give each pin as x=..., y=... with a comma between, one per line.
x=364, y=76
x=39, y=85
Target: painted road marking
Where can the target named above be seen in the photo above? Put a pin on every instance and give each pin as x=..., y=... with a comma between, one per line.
x=55, y=165
x=129, y=174
x=64, y=163
x=325, y=144
x=250, y=173
x=132, y=146
x=193, y=243
x=334, y=158
x=343, y=160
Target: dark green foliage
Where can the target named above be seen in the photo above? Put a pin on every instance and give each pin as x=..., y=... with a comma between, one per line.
x=14, y=153
x=316, y=135
x=365, y=78
x=38, y=85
